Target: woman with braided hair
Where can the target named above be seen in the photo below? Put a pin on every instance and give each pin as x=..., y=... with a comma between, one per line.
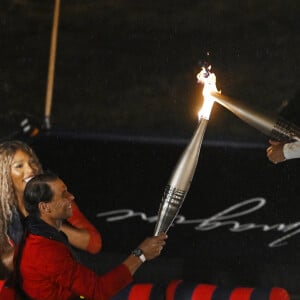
x=18, y=164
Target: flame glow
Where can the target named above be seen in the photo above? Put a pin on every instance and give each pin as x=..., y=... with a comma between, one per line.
x=208, y=80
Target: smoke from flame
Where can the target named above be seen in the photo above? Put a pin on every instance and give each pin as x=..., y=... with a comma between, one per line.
x=208, y=80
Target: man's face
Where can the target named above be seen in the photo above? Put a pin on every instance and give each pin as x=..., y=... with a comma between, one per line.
x=61, y=204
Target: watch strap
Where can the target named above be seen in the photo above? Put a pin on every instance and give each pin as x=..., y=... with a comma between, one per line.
x=139, y=253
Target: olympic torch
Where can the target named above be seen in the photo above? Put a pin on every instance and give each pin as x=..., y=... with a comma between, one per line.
x=182, y=175
x=277, y=128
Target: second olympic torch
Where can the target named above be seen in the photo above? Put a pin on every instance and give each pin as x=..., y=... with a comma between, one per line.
x=276, y=128
x=182, y=175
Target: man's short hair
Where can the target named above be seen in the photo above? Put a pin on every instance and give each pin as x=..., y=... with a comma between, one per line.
x=38, y=190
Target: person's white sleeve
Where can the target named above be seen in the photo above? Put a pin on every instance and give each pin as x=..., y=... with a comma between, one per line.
x=291, y=150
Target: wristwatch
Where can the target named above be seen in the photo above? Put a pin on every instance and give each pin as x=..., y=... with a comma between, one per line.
x=139, y=253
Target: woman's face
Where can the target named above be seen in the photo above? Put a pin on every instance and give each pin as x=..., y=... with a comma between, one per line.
x=23, y=168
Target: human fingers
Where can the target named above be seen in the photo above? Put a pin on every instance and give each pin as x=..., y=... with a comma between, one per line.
x=269, y=149
x=274, y=143
x=153, y=246
x=162, y=236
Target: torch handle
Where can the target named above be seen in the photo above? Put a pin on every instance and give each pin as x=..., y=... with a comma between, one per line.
x=169, y=207
x=285, y=131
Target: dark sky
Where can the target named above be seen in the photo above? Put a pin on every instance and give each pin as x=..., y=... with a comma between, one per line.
x=130, y=66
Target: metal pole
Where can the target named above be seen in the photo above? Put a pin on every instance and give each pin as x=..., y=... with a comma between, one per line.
x=51, y=67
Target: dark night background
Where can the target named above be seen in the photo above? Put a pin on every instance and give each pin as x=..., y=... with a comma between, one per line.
x=125, y=103
x=130, y=65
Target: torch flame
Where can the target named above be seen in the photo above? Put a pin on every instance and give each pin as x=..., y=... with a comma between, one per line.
x=208, y=80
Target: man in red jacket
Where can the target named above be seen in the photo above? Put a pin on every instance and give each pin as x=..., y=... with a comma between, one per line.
x=46, y=264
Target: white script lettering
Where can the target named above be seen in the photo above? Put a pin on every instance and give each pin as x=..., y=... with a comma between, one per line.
x=226, y=218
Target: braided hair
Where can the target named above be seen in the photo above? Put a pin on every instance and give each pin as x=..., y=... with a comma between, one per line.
x=8, y=198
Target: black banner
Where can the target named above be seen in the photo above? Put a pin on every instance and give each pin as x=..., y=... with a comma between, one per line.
x=239, y=224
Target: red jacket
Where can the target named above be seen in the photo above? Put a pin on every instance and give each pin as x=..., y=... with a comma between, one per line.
x=49, y=272
x=77, y=220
